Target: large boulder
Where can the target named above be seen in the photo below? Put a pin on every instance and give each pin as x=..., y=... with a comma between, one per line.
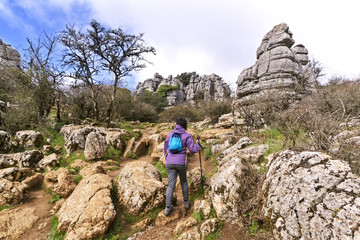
x=5, y=145
x=140, y=187
x=14, y=223
x=29, y=138
x=309, y=195
x=95, y=146
x=116, y=138
x=75, y=136
x=25, y=159
x=89, y=211
x=60, y=182
x=233, y=184
x=49, y=162
x=280, y=72
x=11, y=192
x=15, y=174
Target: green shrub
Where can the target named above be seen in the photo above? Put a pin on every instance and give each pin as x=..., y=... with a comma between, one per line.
x=207, y=153
x=5, y=207
x=163, y=89
x=199, y=216
x=215, y=109
x=173, y=113
x=154, y=99
x=131, y=154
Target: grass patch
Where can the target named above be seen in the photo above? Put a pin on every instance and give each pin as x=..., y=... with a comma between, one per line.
x=5, y=207
x=54, y=198
x=113, y=153
x=197, y=195
x=207, y=153
x=54, y=234
x=198, y=216
x=78, y=178
x=112, y=168
x=131, y=154
x=162, y=169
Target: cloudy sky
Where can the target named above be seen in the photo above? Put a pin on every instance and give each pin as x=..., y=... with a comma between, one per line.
x=206, y=36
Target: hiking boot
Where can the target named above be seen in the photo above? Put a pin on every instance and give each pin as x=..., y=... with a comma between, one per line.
x=168, y=210
x=187, y=205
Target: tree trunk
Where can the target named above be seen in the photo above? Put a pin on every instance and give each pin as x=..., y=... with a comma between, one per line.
x=58, y=116
x=111, y=104
x=95, y=104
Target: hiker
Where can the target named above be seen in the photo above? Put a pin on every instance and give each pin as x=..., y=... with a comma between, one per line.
x=176, y=162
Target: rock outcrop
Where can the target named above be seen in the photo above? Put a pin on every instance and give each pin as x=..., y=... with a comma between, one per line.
x=24, y=159
x=95, y=146
x=9, y=57
x=207, y=87
x=5, y=145
x=309, y=195
x=60, y=182
x=89, y=211
x=29, y=138
x=231, y=185
x=280, y=72
x=140, y=187
x=11, y=192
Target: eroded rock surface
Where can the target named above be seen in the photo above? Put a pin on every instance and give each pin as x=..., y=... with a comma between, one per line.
x=280, y=72
x=60, y=182
x=311, y=196
x=25, y=159
x=140, y=187
x=11, y=192
x=95, y=146
x=29, y=138
x=89, y=211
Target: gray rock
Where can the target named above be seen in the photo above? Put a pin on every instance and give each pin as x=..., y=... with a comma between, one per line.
x=9, y=57
x=49, y=162
x=311, y=196
x=5, y=145
x=29, y=138
x=95, y=146
x=11, y=192
x=25, y=159
x=280, y=72
x=140, y=187
x=15, y=174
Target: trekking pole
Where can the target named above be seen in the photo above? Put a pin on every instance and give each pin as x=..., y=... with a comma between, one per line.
x=202, y=180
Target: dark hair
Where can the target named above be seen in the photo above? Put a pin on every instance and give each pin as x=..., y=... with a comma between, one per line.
x=182, y=122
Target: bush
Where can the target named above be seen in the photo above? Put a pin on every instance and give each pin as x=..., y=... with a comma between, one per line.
x=154, y=99
x=173, y=113
x=215, y=109
x=142, y=111
x=163, y=89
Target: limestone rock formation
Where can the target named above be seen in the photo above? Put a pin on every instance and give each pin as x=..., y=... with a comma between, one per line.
x=280, y=72
x=140, y=187
x=89, y=211
x=16, y=222
x=174, y=97
x=29, y=138
x=232, y=184
x=23, y=159
x=91, y=170
x=309, y=195
x=95, y=146
x=15, y=174
x=5, y=145
x=9, y=57
x=49, y=162
x=60, y=182
x=11, y=192
x=207, y=87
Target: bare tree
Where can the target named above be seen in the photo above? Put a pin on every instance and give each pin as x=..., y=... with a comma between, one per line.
x=121, y=54
x=42, y=70
x=317, y=68
x=85, y=64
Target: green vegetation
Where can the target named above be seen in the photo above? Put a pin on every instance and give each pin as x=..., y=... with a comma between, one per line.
x=54, y=198
x=54, y=234
x=198, y=194
x=217, y=233
x=161, y=168
x=113, y=153
x=198, y=216
x=78, y=178
x=131, y=154
x=185, y=77
x=207, y=153
x=5, y=207
x=254, y=228
x=163, y=89
x=112, y=168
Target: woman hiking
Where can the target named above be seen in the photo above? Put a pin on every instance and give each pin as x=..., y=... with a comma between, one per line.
x=176, y=162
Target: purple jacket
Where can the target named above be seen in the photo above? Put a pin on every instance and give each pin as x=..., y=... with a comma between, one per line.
x=186, y=140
